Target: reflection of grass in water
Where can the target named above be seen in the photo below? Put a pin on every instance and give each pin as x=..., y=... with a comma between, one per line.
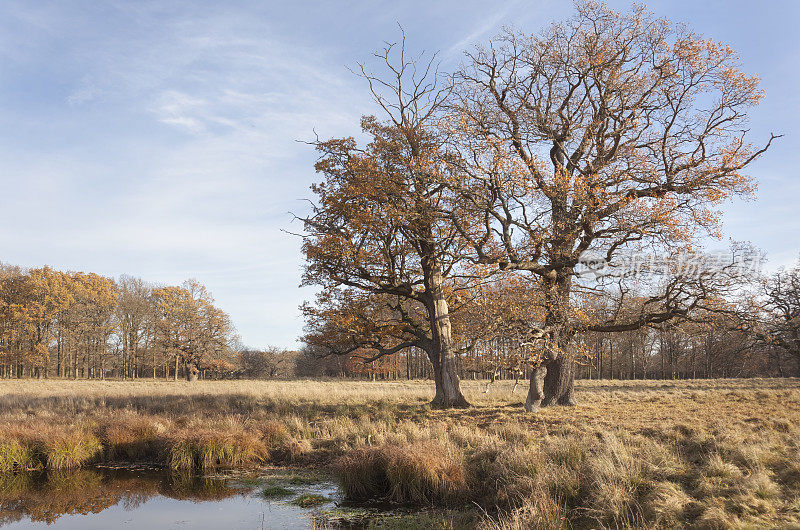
x=12, y=485
x=47, y=495
x=73, y=480
x=192, y=486
x=309, y=500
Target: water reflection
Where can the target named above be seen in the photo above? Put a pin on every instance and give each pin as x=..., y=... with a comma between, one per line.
x=100, y=498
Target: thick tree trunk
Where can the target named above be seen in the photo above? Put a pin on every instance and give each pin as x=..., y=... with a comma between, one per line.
x=559, y=383
x=536, y=391
x=553, y=382
x=442, y=354
x=448, y=391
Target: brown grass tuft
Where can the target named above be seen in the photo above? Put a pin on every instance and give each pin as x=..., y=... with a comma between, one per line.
x=71, y=449
x=422, y=473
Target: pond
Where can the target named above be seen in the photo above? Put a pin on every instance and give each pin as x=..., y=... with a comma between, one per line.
x=147, y=499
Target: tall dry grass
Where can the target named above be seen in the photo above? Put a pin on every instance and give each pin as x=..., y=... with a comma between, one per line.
x=708, y=454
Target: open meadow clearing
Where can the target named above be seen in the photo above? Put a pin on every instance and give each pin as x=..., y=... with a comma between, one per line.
x=399, y=265
x=708, y=453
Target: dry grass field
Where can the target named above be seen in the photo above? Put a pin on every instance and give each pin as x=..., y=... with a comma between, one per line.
x=701, y=453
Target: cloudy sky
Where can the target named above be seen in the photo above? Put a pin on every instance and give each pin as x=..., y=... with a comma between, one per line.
x=164, y=139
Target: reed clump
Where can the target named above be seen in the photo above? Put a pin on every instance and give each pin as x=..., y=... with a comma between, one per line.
x=27, y=449
x=216, y=449
x=16, y=455
x=71, y=449
x=424, y=472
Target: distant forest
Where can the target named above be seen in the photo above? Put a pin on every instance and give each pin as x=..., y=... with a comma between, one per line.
x=84, y=325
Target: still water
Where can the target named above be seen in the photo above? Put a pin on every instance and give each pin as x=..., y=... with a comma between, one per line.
x=152, y=499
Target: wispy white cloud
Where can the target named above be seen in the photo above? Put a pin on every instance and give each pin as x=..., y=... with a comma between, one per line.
x=491, y=24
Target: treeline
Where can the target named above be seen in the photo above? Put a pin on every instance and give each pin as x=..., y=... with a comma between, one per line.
x=754, y=332
x=84, y=325
x=682, y=351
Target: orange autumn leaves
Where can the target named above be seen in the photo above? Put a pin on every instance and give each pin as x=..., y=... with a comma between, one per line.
x=76, y=324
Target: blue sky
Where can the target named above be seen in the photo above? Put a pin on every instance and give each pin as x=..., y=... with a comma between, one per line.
x=163, y=139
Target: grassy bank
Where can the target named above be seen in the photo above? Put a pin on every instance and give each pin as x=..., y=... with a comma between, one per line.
x=712, y=454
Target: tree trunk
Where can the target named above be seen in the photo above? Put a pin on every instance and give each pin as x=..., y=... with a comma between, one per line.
x=611, y=359
x=559, y=376
x=559, y=383
x=448, y=392
x=191, y=371
x=536, y=390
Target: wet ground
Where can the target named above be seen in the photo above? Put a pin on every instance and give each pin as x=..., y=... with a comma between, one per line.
x=150, y=499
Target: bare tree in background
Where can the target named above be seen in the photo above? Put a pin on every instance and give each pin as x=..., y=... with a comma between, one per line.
x=135, y=315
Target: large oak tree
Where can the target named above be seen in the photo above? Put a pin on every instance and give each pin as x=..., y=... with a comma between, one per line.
x=376, y=240
x=604, y=133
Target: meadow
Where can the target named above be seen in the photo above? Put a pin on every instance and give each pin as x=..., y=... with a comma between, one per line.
x=698, y=453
